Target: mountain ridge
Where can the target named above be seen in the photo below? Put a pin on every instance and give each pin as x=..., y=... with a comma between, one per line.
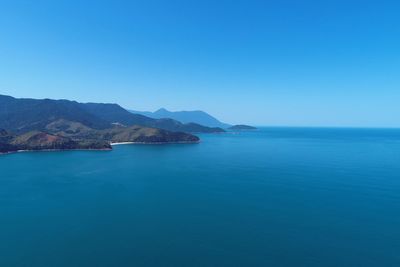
x=194, y=116
x=25, y=114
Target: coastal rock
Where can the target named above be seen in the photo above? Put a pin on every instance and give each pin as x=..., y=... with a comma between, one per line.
x=242, y=127
x=5, y=138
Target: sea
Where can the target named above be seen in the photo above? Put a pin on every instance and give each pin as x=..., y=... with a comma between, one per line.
x=277, y=196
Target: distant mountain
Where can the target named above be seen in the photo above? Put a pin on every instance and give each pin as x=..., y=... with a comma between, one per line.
x=22, y=115
x=242, y=127
x=113, y=113
x=198, y=117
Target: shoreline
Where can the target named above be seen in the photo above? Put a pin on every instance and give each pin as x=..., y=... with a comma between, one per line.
x=55, y=150
x=153, y=143
x=99, y=149
x=120, y=143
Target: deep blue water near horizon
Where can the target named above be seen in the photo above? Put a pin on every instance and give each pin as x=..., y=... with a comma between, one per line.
x=274, y=197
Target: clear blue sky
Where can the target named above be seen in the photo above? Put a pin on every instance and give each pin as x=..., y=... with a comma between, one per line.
x=314, y=63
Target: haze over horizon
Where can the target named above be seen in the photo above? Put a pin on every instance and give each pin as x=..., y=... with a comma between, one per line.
x=289, y=63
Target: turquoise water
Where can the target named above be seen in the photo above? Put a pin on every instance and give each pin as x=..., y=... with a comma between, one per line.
x=276, y=197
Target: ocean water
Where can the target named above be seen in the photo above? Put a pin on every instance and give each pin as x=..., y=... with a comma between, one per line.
x=274, y=197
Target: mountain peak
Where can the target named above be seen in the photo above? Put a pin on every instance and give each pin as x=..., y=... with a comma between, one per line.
x=161, y=110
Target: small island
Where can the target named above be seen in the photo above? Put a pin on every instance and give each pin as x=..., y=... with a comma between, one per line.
x=242, y=127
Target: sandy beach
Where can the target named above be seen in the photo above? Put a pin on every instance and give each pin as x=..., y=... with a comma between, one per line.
x=122, y=143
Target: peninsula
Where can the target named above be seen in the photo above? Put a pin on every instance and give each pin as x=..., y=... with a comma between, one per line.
x=30, y=124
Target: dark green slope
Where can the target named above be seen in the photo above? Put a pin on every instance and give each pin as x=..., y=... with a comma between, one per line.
x=22, y=115
x=114, y=113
